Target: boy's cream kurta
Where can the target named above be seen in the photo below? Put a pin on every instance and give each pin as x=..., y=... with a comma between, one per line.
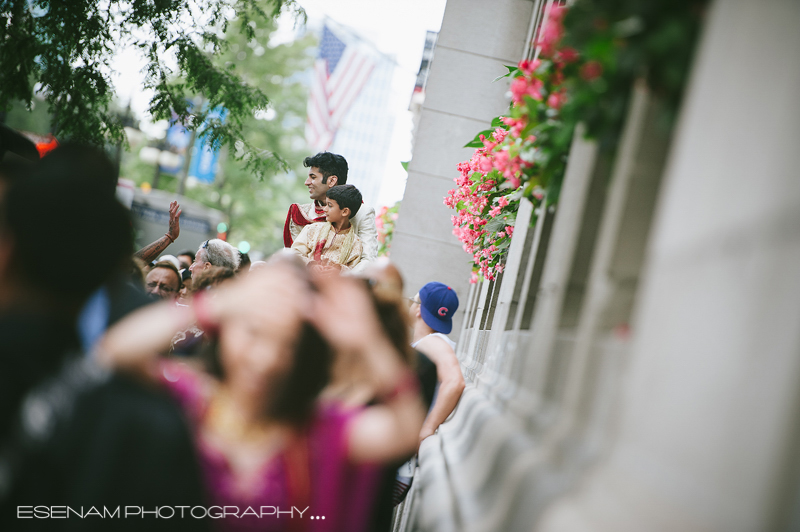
x=314, y=235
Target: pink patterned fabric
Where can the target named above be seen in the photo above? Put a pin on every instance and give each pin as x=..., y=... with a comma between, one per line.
x=340, y=491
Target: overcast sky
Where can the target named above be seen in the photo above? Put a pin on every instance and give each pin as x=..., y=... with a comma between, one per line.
x=397, y=28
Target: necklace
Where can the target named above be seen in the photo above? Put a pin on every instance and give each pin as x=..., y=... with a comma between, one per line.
x=224, y=418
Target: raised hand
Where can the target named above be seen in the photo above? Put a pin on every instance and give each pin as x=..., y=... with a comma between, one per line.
x=174, y=220
x=343, y=312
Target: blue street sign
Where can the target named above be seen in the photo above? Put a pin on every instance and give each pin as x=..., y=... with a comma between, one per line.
x=204, y=158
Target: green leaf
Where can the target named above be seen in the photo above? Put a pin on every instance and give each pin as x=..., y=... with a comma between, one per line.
x=511, y=71
x=405, y=165
x=476, y=142
x=495, y=224
x=503, y=245
x=498, y=122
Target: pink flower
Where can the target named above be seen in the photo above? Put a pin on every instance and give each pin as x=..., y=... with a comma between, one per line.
x=501, y=234
x=557, y=99
x=591, y=70
x=499, y=134
x=529, y=67
x=495, y=211
x=522, y=87
x=503, y=201
x=553, y=31
x=509, y=230
x=485, y=165
x=474, y=278
x=568, y=55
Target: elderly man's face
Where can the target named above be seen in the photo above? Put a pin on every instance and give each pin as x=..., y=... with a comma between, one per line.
x=200, y=263
x=163, y=283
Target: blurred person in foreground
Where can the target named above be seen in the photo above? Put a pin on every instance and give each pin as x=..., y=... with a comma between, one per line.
x=386, y=283
x=72, y=433
x=86, y=168
x=190, y=342
x=263, y=437
x=387, y=286
x=163, y=281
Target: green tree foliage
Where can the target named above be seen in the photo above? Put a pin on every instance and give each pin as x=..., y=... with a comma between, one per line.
x=256, y=208
x=65, y=49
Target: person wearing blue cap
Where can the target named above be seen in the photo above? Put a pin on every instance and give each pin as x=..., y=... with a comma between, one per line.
x=431, y=312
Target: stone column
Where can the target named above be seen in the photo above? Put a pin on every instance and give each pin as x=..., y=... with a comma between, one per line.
x=708, y=435
x=477, y=38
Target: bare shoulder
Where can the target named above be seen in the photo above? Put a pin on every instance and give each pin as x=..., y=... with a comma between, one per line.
x=436, y=346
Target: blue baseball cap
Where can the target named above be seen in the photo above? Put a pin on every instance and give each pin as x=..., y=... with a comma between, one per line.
x=438, y=304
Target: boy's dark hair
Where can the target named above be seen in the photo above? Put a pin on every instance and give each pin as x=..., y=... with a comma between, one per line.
x=329, y=164
x=346, y=196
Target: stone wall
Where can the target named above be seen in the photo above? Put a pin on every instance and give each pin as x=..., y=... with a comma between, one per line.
x=636, y=366
x=476, y=39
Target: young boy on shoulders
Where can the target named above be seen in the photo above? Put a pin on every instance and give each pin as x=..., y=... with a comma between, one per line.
x=333, y=243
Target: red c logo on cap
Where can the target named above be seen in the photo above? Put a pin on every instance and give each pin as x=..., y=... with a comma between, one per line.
x=443, y=311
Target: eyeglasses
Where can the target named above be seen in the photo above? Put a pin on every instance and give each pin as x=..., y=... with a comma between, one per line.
x=413, y=300
x=161, y=286
x=204, y=245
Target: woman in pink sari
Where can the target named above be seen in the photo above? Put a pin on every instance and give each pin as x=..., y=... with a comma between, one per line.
x=273, y=458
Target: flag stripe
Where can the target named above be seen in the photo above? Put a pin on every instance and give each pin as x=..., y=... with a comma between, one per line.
x=334, y=91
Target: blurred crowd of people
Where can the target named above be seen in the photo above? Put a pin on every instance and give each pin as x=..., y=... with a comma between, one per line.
x=303, y=384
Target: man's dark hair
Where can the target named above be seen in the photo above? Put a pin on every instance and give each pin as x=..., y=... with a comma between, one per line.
x=346, y=196
x=187, y=252
x=329, y=164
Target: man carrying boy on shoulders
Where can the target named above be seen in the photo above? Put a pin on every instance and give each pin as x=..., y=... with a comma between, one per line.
x=326, y=170
x=333, y=243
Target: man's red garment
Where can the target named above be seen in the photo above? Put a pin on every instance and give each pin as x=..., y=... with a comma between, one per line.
x=300, y=217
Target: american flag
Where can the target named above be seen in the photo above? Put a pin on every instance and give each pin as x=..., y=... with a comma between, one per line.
x=340, y=73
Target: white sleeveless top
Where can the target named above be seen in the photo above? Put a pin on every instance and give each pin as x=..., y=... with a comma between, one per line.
x=444, y=337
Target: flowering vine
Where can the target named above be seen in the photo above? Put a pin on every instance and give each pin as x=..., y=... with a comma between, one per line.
x=385, y=222
x=588, y=61
x=517, y=158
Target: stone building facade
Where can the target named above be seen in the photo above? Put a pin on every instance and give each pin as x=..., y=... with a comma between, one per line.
x=637, y=366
